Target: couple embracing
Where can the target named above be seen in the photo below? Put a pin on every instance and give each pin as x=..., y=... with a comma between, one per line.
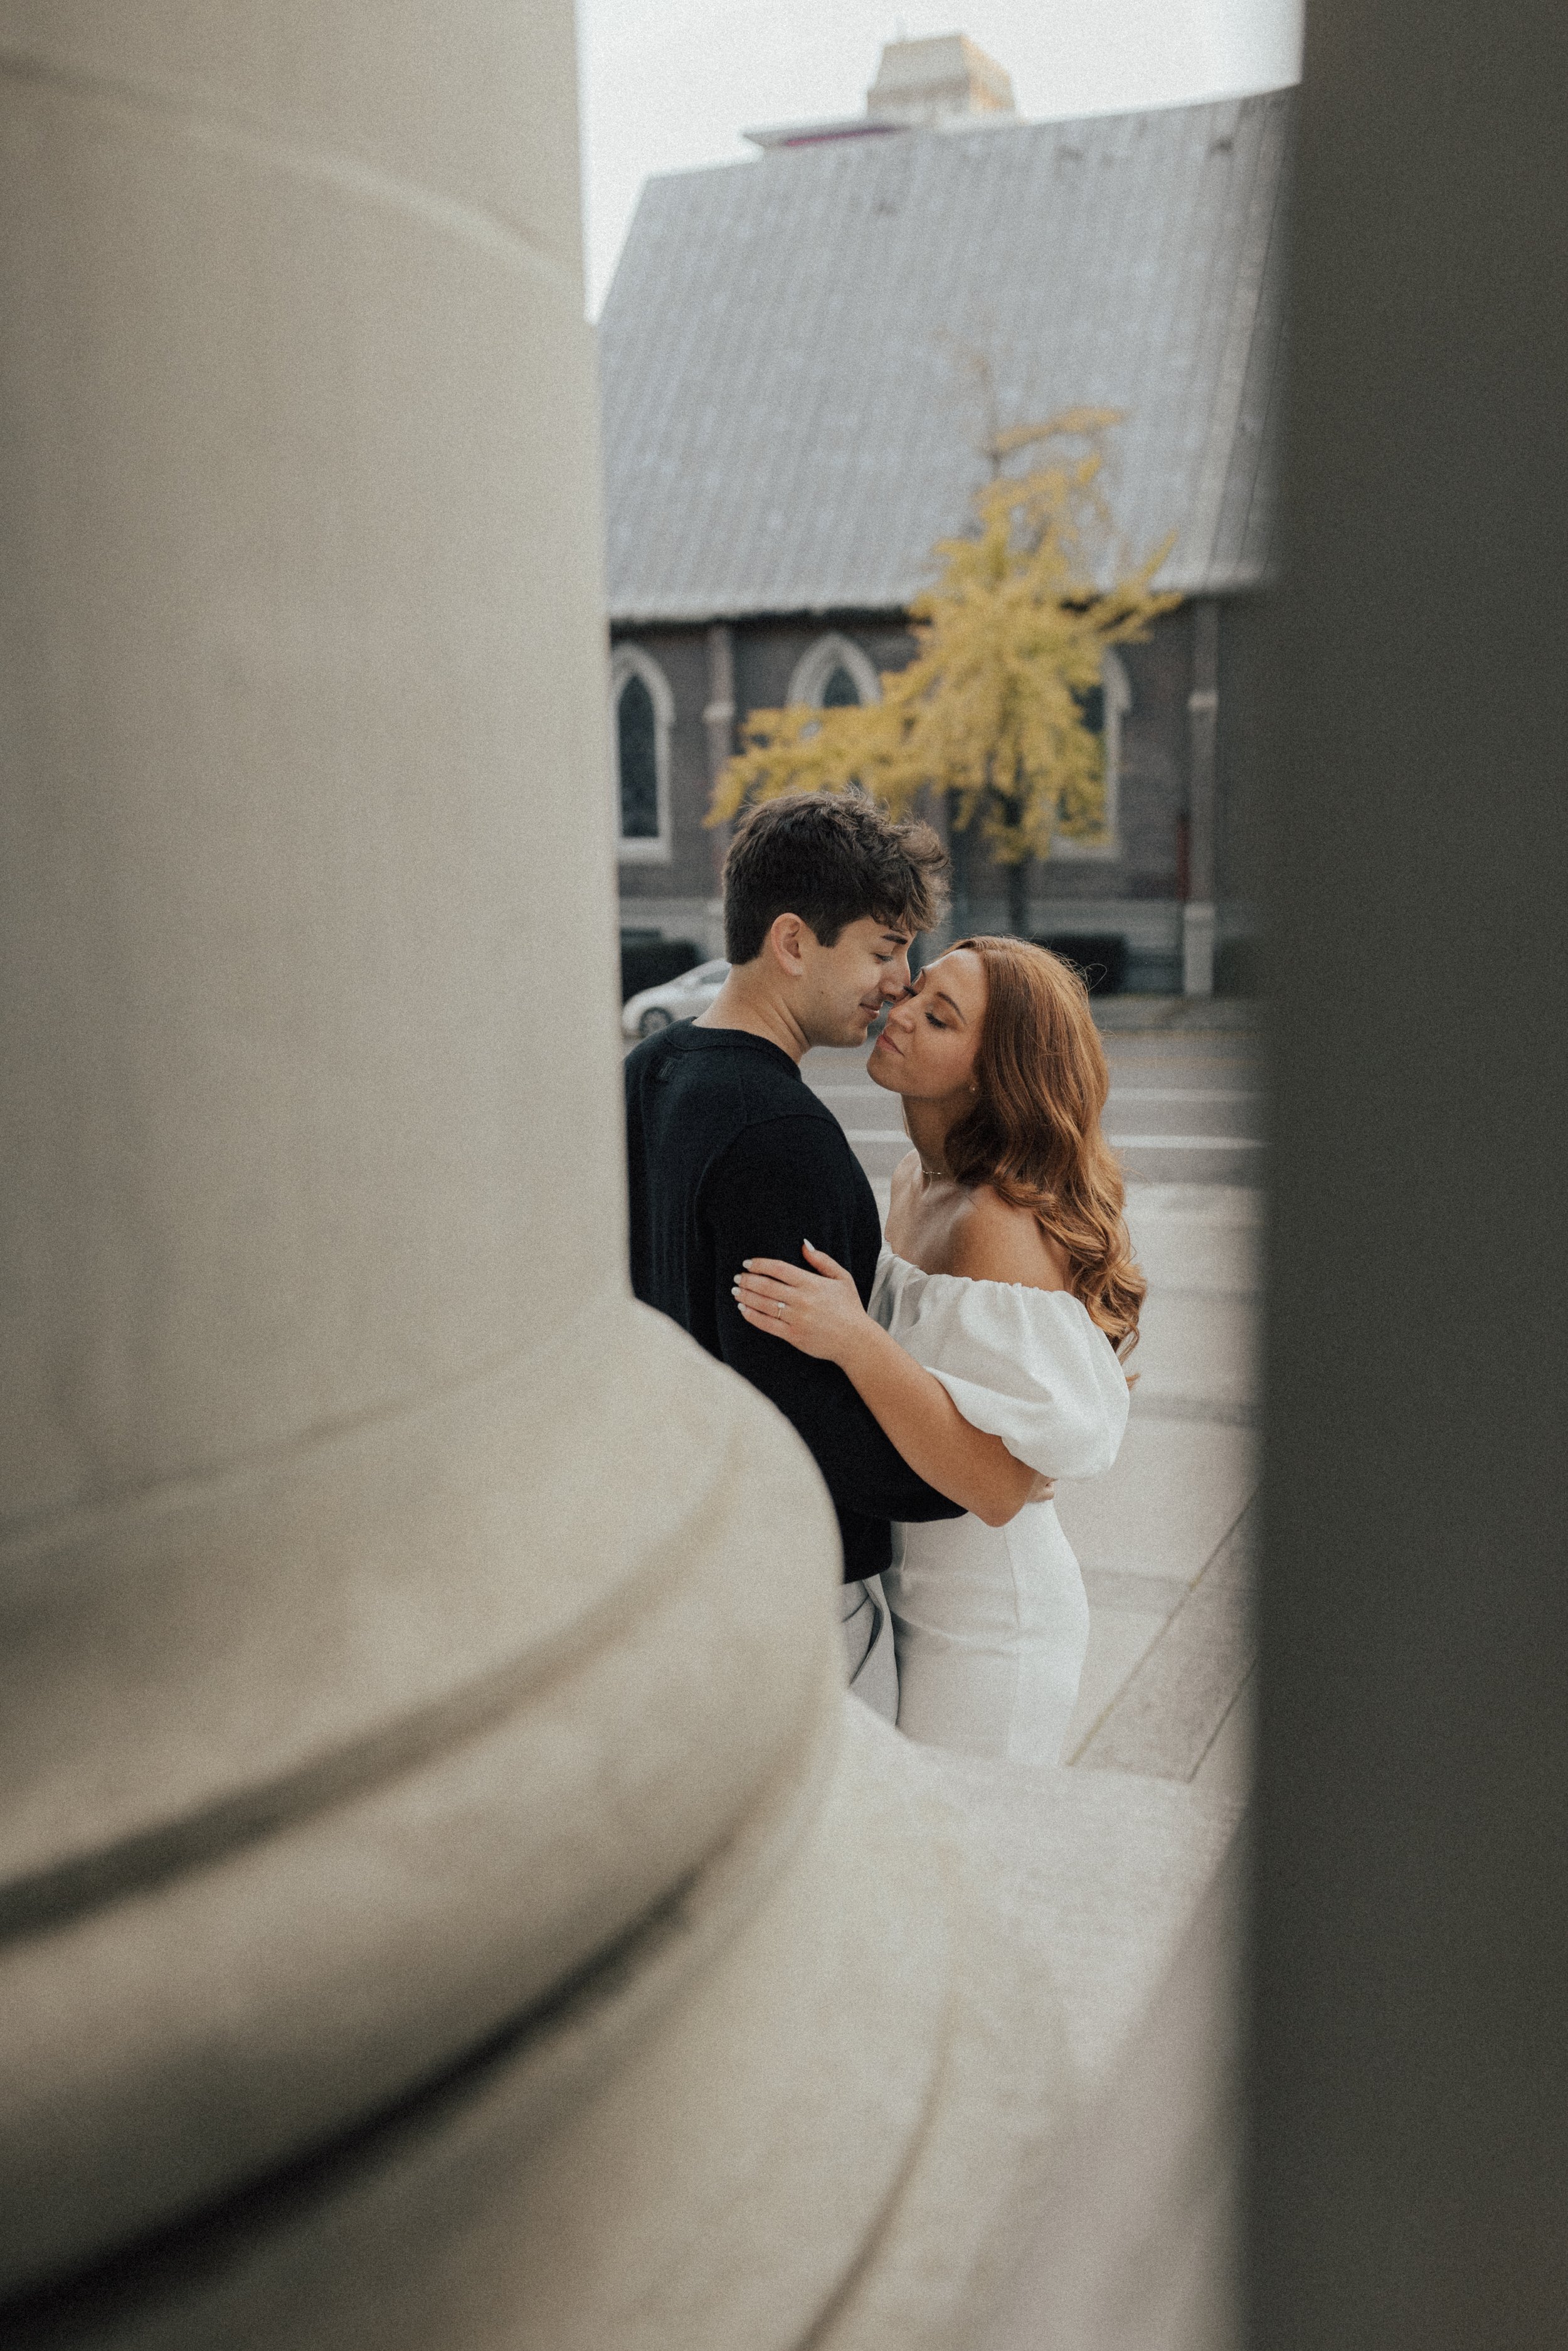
x=942, y=1379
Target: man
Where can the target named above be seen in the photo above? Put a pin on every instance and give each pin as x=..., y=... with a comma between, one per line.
x=732, y=1155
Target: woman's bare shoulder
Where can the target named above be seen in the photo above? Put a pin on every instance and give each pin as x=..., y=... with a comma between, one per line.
x=995, y=1242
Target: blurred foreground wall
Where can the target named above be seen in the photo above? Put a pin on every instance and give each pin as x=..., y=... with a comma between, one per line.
x=1411, y=2059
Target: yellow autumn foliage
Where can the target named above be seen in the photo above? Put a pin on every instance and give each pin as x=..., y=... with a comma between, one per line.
x=1008, y=642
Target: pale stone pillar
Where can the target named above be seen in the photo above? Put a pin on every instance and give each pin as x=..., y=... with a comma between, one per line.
x=718, y=724
x=447, y=1899
x=718, y=716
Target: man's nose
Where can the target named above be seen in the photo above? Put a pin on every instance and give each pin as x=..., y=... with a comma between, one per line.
x=895, y=979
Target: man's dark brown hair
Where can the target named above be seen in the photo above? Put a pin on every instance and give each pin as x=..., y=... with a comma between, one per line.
x=831, y=858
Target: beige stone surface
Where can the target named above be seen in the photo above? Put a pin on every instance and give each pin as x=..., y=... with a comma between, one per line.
x=464, y=1860
x=766, y=2112
x=266, y=690
x=1136, y=2250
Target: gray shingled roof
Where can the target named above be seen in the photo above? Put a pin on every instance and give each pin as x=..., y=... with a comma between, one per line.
x=789, y=418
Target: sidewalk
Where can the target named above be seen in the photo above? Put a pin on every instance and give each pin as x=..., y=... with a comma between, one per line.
x=1166, y=1541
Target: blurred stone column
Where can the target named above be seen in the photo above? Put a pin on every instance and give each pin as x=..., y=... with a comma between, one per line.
x=1410, y=2092
x=447, y=1899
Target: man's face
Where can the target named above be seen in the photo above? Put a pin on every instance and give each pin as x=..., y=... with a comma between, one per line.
x=848, y=985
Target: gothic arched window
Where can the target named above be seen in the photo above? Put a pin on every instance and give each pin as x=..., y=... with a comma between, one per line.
x=644, y=710
x=833, y=673
x=637, y=749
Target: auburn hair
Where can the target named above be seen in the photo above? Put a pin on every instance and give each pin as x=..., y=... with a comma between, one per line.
x=1034, y=1133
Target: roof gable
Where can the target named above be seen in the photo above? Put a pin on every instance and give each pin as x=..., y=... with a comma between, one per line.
x=791, y=420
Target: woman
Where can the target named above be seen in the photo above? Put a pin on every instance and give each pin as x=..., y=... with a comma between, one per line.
x=1009, y=1276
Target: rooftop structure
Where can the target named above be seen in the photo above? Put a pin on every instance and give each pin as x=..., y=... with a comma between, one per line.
x=920, y=85
x=802, y=356
x=928, y=82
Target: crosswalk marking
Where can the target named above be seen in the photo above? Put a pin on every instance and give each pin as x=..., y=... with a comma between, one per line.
x=1118, y=1093
x=1117, y=1142
x=1185, y=1093
x=1186, y=1143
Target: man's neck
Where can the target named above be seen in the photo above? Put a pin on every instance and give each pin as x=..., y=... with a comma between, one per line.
x=742, y=1003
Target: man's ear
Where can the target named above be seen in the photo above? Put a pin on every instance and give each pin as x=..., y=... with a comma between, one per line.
x=784, y=944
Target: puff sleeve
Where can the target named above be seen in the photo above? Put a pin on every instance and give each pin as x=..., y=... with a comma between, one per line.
x=1028, y=1365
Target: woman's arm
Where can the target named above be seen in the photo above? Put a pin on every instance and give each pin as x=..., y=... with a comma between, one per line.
x=823, y=1315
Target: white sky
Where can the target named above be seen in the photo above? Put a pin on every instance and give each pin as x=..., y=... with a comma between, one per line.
x=669, y=84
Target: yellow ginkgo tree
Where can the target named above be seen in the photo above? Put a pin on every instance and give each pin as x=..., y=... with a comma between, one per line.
x=994, y=709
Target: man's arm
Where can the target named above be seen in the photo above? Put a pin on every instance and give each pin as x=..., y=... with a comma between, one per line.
x=777, y=1183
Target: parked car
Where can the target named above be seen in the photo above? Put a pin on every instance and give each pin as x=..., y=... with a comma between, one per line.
x=677, y=1000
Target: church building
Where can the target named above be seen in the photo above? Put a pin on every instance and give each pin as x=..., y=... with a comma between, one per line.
x=803, y=356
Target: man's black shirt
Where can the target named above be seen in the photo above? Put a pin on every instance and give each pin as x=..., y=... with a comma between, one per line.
x=732, y=1156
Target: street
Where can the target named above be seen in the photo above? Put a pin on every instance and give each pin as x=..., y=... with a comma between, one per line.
x=1187, y=1104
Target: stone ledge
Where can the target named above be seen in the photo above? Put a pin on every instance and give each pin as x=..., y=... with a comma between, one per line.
x=1138, y=2249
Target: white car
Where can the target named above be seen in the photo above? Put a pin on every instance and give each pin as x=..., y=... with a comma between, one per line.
x=676, y=999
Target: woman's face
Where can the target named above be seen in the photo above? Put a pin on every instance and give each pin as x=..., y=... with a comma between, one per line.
x=926, y=1052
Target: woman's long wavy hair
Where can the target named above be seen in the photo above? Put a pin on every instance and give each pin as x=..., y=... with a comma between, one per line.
x=1034, y=1133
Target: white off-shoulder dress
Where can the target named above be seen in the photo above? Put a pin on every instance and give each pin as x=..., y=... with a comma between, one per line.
x=990, y=1624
